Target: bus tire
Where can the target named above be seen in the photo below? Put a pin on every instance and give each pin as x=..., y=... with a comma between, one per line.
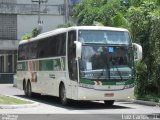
x=25, y=88
x=29, y=89
x=108, y=102
x=63, y=98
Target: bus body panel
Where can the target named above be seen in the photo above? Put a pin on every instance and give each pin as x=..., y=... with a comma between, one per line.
x=92, y=94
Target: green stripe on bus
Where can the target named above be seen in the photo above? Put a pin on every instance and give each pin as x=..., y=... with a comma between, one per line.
x=49, y=65
x=57, y=64
x=92, y=82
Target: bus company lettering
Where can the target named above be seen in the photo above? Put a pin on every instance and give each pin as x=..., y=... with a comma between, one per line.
x=120, y=83
x=86, y=85
x=52, y=76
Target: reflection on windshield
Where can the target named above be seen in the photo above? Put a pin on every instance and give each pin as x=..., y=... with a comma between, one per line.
x=101, y=36
x=106, y=62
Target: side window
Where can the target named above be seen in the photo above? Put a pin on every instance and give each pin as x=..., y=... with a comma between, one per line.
x=72, y=63
x=61, y=50
x=20, y=52
x=57, y=45
x=23, y=52
x=52, y=46
x=42, y=48
x=33, y=49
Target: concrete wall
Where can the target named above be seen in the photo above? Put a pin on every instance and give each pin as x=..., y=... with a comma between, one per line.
x=25, y=23
x=28, y=19
x=54, y=2
x=8, y=29
x=7, y=1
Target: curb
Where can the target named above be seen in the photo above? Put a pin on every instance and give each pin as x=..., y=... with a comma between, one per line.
x=149, y=103
x=32, y=104
x=18, y=106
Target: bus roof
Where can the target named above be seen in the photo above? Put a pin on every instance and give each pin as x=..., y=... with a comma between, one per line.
x=62, y=30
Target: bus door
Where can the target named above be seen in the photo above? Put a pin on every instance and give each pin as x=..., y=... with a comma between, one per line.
x=72, y=65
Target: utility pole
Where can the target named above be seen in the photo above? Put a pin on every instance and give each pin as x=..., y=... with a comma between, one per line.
x=40, y=22
x=66, y=6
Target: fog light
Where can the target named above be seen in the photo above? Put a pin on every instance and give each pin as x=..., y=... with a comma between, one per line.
x=84, y=97
x=129, y=97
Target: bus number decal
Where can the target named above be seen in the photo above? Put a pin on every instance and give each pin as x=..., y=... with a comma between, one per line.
x=19, y=66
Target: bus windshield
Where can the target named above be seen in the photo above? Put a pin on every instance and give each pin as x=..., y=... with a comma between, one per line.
x=104, y=36
x=106, y=62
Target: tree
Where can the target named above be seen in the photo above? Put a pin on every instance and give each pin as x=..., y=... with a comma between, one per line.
x=144, y=24
x=35, y=32
x=27, y=36
x=107, y=12
x=69, y=24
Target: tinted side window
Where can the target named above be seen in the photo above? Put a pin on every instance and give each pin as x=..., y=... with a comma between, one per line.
x=20, y=53
x=61, y=44
x=57, y=45
x=33, y=49
x=52, y=46
x=23, y=52
x=42, y=48
x=49, y=47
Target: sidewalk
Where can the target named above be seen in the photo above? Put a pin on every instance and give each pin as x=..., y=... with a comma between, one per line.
x=149, y=103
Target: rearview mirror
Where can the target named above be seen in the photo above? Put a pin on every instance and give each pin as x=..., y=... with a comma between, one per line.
x=137, y=51
x=78, y=49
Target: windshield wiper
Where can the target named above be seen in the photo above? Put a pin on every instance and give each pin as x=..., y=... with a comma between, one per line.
x=107, y=68
x=119, y=73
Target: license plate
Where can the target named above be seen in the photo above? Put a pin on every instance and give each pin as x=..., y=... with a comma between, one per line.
x=109, y=94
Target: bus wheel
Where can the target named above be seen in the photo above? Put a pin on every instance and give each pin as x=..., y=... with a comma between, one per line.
x=63, y=97
x=29, y=90
x=25, y=88
x=108, y=102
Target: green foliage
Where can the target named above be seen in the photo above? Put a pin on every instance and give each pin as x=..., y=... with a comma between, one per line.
x=140, y=83
x=27, y=36
x=6, y=100
x=35, y=32
x=120, y=20
x=102, y=11
x=145, y=26
x=69, y=24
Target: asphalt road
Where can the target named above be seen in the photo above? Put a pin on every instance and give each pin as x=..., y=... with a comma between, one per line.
x=49, y=108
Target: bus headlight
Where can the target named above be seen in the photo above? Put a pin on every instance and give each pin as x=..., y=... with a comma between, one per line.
x=84, y=97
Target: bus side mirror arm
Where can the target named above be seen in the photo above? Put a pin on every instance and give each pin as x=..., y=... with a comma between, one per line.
x=137, y=51
x=78, y=49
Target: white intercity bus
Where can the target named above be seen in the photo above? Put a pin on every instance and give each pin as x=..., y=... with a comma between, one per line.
x=79, y=63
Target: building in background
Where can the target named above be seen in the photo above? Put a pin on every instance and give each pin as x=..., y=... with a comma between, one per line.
x=18, y=17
